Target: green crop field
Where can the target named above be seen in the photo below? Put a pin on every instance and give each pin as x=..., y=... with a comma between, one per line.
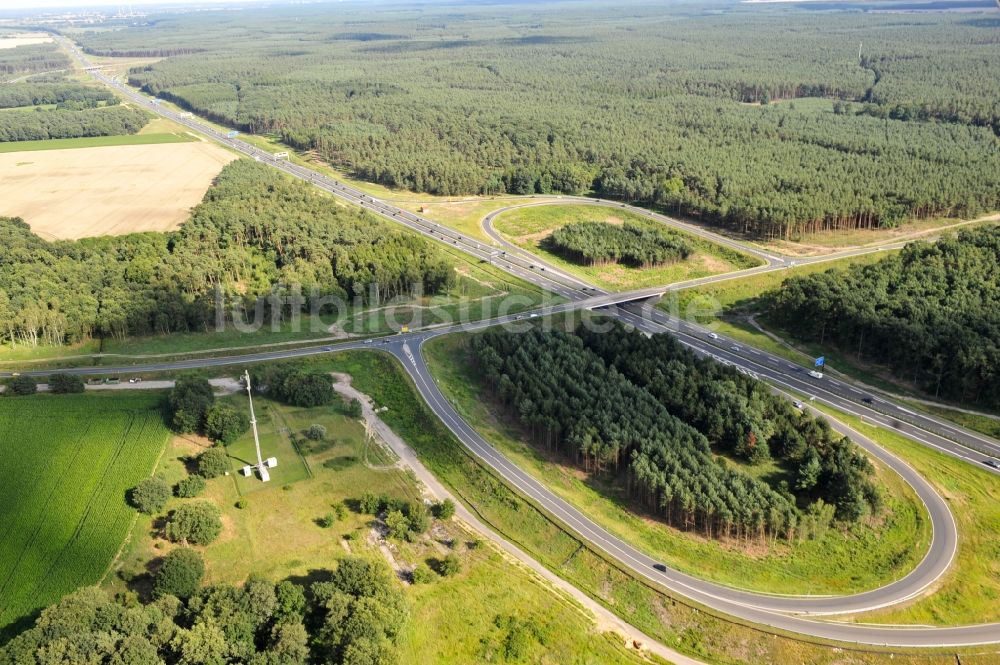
x=67, y=463
x=94, y=142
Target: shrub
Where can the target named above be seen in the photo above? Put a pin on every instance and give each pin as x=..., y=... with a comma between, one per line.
x=213, y=463
x=189, y=401
x=422, y=575
x=327, y=520
x=180, y=575
x=225, y=424
x=316, y=433
x=198, y=522
x=445, y=510
x=65, y=383
x=354, y=408
x=22, y=385
x=150, y=495
x=241, y=503
x=189, y=487
x=369, y=504
x=449, y=566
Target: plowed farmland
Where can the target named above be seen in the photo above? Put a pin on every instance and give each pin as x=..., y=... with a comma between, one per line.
x=66, y=463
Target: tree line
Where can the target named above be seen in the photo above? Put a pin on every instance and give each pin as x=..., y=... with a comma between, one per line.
x=353, y=617
x=608, y=415
x=714, y=127
x=598, y=243
x=930, y=313
x=65, y=123
x=255, y=235
x=32, y=58
x=65, y=93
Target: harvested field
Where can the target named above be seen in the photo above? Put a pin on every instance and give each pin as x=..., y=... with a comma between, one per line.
x=23, y=39
x=112, y=190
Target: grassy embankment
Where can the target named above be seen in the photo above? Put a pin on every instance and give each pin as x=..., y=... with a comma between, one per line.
x=970, y=592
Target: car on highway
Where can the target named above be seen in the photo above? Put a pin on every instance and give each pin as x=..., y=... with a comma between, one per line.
x=992, y=463
x=816, y=375
x=368, y=341
x=798, y=405
x=660, y=567
x=734, y=347
x=867, y=400
x=712, y=335
x=328, y=348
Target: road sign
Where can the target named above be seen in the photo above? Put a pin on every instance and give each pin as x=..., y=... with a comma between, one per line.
x=821, y=361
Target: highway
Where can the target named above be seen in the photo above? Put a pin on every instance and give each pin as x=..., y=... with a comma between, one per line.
x=794, y=614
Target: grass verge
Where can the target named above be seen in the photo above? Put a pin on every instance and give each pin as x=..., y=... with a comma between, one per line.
x=94, y=142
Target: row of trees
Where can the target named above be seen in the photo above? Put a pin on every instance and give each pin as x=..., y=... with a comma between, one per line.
x=682, y=114
x=622, y=416
x=741, y=417
x=574, y=403
x=66, y=93
x=32, y=58
x=354, y=618
x=254, y=232
x=598, y=243
x=931, y=313
x=66, y=123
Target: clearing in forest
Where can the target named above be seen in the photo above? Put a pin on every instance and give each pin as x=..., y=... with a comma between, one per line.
x=67, y=462
x=108, y=190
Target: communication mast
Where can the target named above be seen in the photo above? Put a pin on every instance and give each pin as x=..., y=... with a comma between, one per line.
x=262, y=464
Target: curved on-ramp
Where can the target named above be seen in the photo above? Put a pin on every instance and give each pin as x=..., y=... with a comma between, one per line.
x=786, y=613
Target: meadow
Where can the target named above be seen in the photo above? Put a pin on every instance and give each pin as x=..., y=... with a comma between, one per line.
x=527, y=227
x=67, y=462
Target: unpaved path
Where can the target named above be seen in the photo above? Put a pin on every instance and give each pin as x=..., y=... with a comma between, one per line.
x=606, y=620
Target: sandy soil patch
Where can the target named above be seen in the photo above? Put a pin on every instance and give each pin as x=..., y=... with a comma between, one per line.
x=113, y=190
x=24, y=39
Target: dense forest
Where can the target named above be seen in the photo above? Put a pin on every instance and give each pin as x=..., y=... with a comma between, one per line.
x=931, y=313
x=650, y=414
x=64, y=123
x=32, y=59
x=352, y=619
x=65, y=94
x=598, y=243
x=762, y=119
x=254, y=234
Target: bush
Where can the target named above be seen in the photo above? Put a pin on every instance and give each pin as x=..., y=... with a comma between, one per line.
x=150, y=495
x=422, y=575
x=65, y=383
x=241, y=503
x=22, y=385
x=316, y=433
x=295, y=385
x=180, y=575
x=213, y=463
x=225, y=424
x=327, y=520
x=189, y=487
x=354, y=408
x=449, y=566
x=189, y=401
x=444, y=510
x=369, y=504
x=198, y=522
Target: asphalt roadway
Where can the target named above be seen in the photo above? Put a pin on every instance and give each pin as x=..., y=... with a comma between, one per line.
x=794, y=614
